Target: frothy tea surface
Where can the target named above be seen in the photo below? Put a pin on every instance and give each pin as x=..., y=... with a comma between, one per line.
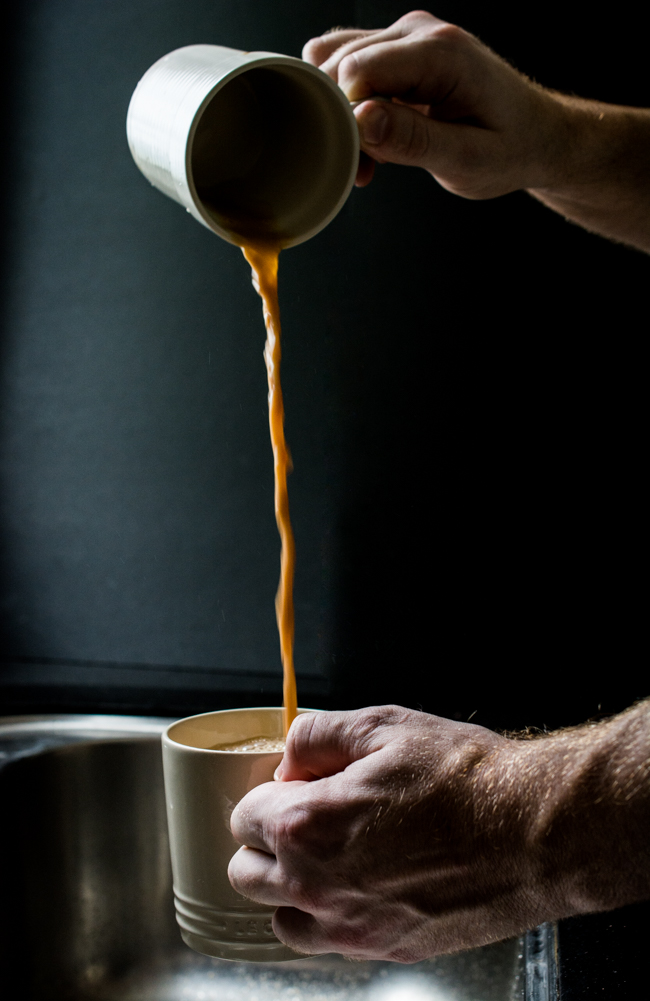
x=252, y=744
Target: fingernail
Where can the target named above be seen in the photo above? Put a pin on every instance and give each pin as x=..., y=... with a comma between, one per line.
x=373, y=126
x=277, y=774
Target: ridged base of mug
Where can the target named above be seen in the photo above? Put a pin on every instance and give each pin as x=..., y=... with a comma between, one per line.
x=244, y=934
x=249, y=952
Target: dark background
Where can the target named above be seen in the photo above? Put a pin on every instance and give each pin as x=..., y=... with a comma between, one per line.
x=464, y=386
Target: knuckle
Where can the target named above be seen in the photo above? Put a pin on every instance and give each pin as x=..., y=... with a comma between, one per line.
x=316, y=51
x=415, y=18
x=349, y=66
x=373, y=718
x=425, y=27
x=300, y=732
x=299, y=829
x=449, y=34
x=303, y=723
x=290, y=832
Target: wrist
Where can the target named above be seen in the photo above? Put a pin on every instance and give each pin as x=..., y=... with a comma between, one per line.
x=562, y=139
x=589, y=143
x=586, y=809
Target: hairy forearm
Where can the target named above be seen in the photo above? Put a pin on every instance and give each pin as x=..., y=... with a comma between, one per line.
x=598, y=168
x=587, y=800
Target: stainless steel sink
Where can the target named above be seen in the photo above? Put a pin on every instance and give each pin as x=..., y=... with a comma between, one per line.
x=87, y=909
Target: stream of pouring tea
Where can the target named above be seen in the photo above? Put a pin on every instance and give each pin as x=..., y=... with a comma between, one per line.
x=264, y=265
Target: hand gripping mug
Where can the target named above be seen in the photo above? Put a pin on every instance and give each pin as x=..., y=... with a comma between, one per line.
x=202, y=787
x=258, y=147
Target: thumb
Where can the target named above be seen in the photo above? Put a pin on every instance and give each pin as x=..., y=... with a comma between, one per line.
x=324, y=743
x=395, y=133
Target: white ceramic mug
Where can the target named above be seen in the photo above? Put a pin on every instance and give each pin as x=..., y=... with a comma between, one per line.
x=202, y=787
x=259, y=147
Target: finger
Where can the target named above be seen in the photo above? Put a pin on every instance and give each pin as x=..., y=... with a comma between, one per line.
x=300, y=931
x=256, y=818
x=305, y=933
x=393, y=133
x=419, y=68
x=411, y=26
x=254, y=874
x=365, y=171
x=317, y=50
x=332, y=64
x=322, y=744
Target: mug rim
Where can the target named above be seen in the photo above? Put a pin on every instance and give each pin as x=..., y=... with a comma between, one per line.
x=253, y=62
x=167, y=738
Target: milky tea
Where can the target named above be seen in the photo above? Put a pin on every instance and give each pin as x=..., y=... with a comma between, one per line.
x=260, y=744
